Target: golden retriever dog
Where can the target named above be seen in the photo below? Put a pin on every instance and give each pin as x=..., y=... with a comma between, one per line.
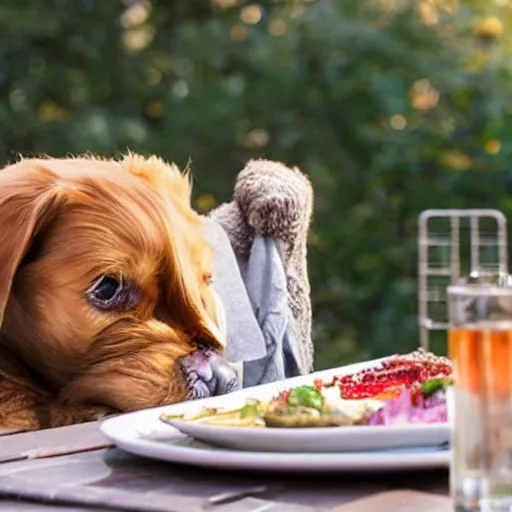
x=105, y=296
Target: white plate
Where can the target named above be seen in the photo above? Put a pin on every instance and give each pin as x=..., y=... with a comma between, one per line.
x=317, y=440
x=142, y=433
x=332, y=439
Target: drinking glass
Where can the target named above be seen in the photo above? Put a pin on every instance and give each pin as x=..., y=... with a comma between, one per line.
x=480, y=401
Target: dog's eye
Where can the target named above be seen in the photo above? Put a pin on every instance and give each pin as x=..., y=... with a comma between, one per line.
x=106, y=288
x=112, y=293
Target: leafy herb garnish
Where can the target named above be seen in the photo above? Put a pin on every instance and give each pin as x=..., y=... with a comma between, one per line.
x=307, y=396
x=251, y=408
x=430, y=387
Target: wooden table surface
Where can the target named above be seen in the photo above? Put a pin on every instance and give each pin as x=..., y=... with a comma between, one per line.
x=104, y=479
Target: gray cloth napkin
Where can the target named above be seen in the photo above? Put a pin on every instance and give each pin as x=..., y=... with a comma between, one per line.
x=265, y=281
x=245, y=339
x=255, y=299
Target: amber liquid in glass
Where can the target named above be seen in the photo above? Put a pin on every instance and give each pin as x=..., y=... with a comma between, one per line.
x=481, y=473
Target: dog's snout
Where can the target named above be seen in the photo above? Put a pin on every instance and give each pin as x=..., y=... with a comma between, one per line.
x=208, y=374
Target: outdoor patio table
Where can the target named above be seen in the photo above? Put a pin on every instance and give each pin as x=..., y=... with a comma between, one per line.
x=74, y=469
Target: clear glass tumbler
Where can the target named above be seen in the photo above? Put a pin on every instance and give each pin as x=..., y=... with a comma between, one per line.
x=480, y=402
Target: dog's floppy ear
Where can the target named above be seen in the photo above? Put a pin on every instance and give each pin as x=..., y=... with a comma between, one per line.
x=29, y=197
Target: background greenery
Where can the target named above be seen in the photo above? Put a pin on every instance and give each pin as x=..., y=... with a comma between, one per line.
x=390, y=106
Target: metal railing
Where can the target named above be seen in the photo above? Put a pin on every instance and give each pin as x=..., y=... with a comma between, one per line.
x=487, y=249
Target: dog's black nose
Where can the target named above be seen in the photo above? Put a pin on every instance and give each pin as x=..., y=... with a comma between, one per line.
x=208, y=374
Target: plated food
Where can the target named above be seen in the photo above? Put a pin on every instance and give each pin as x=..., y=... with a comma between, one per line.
x=404, y=389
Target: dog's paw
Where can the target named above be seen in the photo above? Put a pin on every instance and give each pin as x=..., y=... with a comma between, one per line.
x=274, y=199
x=69, y=414
x=96, y=412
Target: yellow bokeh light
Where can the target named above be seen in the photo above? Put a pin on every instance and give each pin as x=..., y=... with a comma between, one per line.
x=225, y=4
x=492, y=146
x=455, y=159
x=488, y=28
x=429, y=12
x=398, y=122
x=154, y=109
x=135, y=15
x=423, y=95
x=388, y=5
x=205, y=202
x=136, y=39
x=251, y=14
x=277, y=27
x=238, y=33
x=449, y=6
x=257, y=138
x=49, y=112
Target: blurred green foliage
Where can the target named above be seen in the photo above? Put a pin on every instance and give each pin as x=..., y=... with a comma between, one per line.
x=390, y=106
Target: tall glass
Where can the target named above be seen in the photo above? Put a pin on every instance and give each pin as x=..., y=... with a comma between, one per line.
x=480, y=402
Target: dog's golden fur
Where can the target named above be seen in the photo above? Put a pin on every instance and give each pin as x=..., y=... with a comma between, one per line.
x=63, y=223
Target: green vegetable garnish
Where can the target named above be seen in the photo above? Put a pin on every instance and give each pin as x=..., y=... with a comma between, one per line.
x=430, y=387
x=307, y=396
x=203, y=413
x=251, y=408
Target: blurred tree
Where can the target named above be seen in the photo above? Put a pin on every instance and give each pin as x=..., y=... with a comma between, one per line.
x=391, y=107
